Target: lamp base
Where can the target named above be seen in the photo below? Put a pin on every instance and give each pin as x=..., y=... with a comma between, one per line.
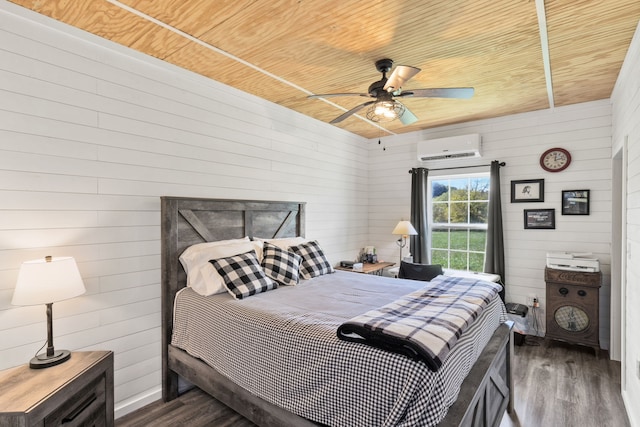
x=42, y=361
x=402, y=242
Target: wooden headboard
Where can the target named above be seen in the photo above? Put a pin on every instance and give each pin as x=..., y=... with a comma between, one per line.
x=187, y=221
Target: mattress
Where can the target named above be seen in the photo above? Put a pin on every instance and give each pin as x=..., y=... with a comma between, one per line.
x=282, y=346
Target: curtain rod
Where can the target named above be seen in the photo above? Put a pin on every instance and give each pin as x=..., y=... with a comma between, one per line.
x=461, y=167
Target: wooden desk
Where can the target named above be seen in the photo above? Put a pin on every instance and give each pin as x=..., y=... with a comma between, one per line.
x=369, y=268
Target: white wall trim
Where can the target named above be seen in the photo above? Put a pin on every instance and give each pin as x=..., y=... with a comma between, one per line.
x=129, y=405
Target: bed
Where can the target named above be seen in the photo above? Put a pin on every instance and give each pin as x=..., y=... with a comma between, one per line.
x=483, y=396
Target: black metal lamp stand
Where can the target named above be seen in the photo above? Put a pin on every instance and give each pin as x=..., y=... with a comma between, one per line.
x=51, y=357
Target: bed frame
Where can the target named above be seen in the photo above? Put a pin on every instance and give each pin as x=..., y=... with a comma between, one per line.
x=484, y=395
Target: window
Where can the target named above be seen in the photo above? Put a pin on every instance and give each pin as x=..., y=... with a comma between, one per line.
x=458, y=220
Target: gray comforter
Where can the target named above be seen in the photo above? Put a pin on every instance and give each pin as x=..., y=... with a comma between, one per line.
x=283, y=347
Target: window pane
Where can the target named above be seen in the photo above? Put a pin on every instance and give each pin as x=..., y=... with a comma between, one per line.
x=440, y=239
x=479, y=188
x=440, y=213
x=477, y=240
x=440, y=190
x=459, y=212
x=478, y=212
x=458, y=260
x=476, y=262
x=440, y=257
x=461, y=185
x=459, y=239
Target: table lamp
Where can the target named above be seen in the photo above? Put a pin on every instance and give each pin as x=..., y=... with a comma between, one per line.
x=45, y=281
x=405, y=229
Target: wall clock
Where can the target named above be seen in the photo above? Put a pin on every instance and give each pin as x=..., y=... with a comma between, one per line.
x=555, y=160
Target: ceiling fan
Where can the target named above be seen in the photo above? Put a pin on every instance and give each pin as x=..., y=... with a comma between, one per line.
x=385, y=108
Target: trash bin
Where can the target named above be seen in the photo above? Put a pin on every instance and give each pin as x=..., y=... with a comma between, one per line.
x=520, y=327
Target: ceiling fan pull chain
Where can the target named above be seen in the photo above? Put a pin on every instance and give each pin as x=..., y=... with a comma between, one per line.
x=384, y=147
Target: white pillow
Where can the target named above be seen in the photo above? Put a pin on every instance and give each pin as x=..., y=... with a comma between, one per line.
x=195, y=255
x=282, y=243
x=203, y=278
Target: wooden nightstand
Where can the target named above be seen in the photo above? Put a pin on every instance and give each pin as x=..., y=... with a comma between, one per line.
x=78, y=392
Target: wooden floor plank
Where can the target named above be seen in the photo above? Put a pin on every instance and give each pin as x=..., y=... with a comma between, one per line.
x=192, y=409
x=556, y=384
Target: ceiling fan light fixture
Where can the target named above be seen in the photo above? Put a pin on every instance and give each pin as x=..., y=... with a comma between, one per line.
x=385, y=111
x=383, y=108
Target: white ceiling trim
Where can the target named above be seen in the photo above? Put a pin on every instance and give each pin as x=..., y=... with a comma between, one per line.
x=544, y=45
x=235, y=58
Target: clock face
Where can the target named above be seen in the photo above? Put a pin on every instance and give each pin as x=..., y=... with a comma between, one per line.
x=555, y=160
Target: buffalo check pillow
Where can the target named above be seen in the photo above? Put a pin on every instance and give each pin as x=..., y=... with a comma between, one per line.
x=243, y=275
x=280, y=265
x=314, y=263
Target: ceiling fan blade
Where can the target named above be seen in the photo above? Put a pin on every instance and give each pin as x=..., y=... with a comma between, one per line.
x=400, y=75
x=350, y=112
x=451, y=92
x=407, y=117
x=330, y=95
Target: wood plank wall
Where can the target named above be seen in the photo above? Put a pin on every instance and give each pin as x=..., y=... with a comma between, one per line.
x=91, y=135
x=626, y=126
x=518, y=140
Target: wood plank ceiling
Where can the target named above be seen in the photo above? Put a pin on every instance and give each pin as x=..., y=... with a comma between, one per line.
x=284, y=50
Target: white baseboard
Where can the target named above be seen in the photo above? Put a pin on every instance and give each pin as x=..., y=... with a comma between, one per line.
x=137, y=402
x=627, y=403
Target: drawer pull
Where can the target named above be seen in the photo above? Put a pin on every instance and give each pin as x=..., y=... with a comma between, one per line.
x=563, y=291
x=582, y=293
x=84, y=405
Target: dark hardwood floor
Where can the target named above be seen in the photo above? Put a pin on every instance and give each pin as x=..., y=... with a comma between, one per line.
x=194, y=408
x=556, y=385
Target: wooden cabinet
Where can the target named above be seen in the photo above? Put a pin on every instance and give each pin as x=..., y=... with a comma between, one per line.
x=78, y=392
x=573, y=307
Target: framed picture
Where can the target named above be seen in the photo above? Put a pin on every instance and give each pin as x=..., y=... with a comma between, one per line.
x=528, y=190
x=575, y=202
x=540, y=219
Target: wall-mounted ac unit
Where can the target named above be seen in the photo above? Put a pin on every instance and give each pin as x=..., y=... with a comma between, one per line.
x=455, y=147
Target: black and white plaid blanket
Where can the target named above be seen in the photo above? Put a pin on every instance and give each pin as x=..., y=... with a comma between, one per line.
x=425, y=324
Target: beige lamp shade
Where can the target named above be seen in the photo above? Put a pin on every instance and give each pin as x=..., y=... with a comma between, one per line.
x=47, y=280
x=404, y=228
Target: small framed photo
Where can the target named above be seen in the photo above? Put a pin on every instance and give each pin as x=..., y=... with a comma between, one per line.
x=575, y=202
x=540, y=219
x=528, y=190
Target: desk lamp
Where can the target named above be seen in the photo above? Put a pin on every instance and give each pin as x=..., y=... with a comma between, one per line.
x=45, y=281
x=404, y=229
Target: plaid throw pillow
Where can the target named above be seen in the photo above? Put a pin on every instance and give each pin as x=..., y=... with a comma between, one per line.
x=314, y=263
x=280, y=265
x=243, y=275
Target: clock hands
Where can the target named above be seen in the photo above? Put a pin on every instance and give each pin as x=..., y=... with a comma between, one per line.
x=555, y=159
